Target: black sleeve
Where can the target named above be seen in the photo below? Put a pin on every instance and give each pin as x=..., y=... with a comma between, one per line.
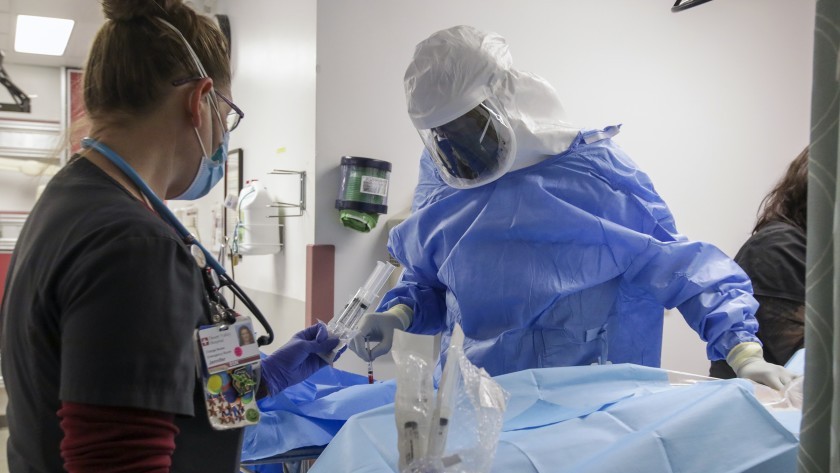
x=781, y=328
x=774, y=259
x=131, y=307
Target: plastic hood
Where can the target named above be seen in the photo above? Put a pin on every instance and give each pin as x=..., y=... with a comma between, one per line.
x=456, y=69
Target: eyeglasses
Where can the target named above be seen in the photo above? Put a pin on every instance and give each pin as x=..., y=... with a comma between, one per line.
x=234, y=116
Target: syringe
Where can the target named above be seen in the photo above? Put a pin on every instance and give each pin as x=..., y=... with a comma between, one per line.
x=446, y=395
x=345, y=326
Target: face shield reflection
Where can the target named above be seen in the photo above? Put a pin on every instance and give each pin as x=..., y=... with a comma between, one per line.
x=474, y=149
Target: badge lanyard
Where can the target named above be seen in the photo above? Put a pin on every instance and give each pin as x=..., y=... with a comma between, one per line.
x=229, y=361
x=230, y=373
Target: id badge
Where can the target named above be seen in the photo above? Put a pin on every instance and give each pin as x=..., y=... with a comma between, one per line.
x=230, y=373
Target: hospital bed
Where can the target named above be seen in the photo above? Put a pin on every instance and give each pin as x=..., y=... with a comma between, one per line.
x=579, y=419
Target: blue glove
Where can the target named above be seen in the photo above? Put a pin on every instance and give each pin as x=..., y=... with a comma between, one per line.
x=298, y=359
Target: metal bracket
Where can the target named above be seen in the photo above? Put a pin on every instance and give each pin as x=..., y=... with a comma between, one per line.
x=21, y=99
x=301, y=204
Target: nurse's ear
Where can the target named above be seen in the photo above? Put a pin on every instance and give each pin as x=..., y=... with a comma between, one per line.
x=198, y=95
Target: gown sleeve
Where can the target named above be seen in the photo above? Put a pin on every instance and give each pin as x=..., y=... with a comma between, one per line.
x=418, y=288
x=711, y=291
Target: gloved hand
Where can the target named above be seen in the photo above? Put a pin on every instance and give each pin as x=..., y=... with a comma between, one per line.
x=747, y=360
x=379, y=327
x=298, y=359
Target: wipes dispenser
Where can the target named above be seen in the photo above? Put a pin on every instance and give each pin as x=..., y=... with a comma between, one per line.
x=363, y=195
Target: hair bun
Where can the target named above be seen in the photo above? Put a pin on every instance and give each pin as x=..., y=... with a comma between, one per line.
x=125, y=10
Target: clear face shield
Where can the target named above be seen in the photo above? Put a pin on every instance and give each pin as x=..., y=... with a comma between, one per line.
x=474, y=149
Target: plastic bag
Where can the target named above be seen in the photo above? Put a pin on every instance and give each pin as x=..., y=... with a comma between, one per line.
x=414, y=359
x=793, y=392
x=469, y=424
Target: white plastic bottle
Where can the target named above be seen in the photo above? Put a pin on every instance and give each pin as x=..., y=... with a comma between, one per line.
x=258, y=231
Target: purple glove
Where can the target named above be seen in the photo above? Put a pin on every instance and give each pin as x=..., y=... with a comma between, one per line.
x=297, y=359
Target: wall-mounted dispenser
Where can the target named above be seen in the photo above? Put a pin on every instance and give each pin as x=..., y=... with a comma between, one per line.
x=363, y=195
x=261, y=218
x=256, y=232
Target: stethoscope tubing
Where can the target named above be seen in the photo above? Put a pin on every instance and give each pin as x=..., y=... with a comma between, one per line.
x=189, y=238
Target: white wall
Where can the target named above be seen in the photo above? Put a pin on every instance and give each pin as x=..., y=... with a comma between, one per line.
x=274, y=85
x=715, y=101
x=273, y=62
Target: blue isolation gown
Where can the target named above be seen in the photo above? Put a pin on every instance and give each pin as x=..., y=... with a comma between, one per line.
x=567, y=262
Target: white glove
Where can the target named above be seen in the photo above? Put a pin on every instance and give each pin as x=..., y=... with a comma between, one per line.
x=747, y=360
x=379, y=327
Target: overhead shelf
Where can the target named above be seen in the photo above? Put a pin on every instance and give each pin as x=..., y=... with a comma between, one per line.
x=23, y=139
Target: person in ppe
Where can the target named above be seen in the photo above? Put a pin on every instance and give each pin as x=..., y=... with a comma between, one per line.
x=545, y=242
x=103, y=297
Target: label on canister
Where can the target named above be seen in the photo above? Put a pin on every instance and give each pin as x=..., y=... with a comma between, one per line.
x=374, y=185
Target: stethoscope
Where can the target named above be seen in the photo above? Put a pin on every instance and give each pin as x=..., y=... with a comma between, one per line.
x=215, y=276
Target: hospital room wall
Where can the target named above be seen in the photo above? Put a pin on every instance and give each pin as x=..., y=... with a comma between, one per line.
x=273, y=61
x=714, y=103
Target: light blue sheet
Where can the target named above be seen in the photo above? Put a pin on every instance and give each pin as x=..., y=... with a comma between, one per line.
x=796, y=363
x=312, y=412
x=601, y=419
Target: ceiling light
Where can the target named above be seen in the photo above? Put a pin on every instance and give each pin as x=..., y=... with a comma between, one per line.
x=42, y=35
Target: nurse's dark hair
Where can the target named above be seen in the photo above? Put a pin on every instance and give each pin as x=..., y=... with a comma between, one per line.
x=135, y=58
x=788, y=201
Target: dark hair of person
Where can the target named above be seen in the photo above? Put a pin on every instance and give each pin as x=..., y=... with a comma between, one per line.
x=135, y=57
x=788, y=201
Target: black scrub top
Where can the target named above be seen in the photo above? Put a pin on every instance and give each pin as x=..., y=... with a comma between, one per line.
x=101, y=303
x=774, y=259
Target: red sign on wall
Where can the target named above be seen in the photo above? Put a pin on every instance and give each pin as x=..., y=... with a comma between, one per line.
x=77, y=123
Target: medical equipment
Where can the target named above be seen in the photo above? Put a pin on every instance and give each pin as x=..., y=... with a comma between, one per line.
x=446, y=395
x=346, y=324
x=414, y=357
x=256, y=233
x=215, y=276
x=370, y=363
x=363, y=194
x=468, y=404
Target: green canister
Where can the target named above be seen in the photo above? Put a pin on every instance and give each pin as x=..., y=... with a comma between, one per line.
x=363, y=195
